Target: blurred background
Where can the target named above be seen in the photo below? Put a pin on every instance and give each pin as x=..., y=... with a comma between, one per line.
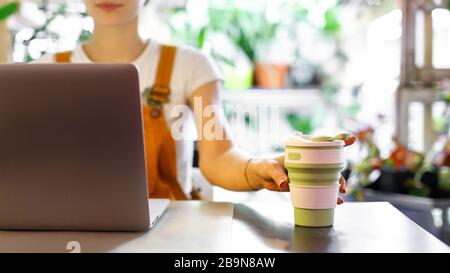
x=379, y=69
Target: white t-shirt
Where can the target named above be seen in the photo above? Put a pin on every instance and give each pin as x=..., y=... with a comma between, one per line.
x=192, y=69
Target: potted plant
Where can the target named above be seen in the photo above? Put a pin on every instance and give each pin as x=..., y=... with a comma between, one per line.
x=253, y=34
x=184, y=27
x=399, y=170
x=435, y=174
x=7, y=9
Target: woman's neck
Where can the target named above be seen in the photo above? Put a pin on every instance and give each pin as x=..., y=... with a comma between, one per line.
x=118, y=44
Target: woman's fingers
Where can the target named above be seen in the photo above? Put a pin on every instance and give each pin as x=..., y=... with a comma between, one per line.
x=273, y=170
x=280, y=160
x=276, y=172
x=341, y=190
x=274, y=187
x=342, y=186
x=349, y=141
x=271, y=174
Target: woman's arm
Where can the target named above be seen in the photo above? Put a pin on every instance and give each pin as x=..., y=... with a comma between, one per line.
x=220, y=160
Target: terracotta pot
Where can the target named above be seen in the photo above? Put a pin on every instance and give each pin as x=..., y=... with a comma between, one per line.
x=270, y=75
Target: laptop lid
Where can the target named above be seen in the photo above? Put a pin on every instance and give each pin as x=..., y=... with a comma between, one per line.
x=71, y=148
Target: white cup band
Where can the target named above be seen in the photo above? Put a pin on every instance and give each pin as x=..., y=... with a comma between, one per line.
x=314, y=197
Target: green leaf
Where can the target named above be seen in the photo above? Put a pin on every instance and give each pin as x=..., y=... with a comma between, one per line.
x=28, y=58
x=84, y=36
x=8, y=9
x=302, y=124
x=332, y=25
x=202, y=36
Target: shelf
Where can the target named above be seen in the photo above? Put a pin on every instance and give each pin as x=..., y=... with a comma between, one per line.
x=408, y=200
x=281, y=97
x=427, y=95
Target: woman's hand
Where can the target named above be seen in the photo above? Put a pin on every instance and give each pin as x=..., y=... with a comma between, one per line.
x=270, y=174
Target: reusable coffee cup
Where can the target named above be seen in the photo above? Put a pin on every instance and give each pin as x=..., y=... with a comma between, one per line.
x=314, y=166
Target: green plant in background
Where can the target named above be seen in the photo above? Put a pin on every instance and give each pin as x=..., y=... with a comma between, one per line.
x=185, y=30
x=8, y=10
x=332, y=25
x=441, y=124
x=52, y=11
x=252, y=28
x=444, y=178
x=246, y=29
x=418, y=190
x=446, y=97
x=43, y=30
x=84, y=36
x=304, y=124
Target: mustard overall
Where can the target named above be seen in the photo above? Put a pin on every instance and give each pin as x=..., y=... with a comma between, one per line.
x=159, y=144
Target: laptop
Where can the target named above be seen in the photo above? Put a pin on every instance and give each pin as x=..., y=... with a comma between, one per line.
x=72, y=149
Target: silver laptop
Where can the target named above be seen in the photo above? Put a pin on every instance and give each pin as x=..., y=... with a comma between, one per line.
x=72, y=149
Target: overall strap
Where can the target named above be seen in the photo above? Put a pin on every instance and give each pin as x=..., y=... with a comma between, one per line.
x=160, y=91
x=63, y=57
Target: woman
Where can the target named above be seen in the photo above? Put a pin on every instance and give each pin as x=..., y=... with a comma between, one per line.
x=169, y=77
